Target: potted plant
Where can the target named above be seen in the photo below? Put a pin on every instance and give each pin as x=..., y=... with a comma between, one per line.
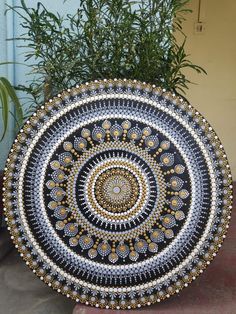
x=104, y=39
x=7, y=93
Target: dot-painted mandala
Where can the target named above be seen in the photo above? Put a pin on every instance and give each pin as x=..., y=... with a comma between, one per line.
x=117, y=193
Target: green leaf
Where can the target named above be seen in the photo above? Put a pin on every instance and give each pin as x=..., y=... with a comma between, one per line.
x=5, y=108
x=6, y=92
x=12, y=94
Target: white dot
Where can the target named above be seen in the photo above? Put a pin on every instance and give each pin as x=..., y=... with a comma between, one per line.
x=116, y=189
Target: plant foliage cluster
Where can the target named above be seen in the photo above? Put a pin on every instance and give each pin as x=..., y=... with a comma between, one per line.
x=104, y=39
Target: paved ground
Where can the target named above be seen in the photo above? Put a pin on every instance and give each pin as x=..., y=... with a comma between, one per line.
x=212, y=293
x=21, y=292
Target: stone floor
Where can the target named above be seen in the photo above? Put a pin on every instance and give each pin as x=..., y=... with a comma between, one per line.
x=212, y=293
x=21, y=292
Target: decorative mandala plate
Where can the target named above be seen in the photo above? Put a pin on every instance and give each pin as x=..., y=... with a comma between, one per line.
x=117, y=193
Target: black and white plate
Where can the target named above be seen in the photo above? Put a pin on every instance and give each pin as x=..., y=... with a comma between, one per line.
x=117, y=193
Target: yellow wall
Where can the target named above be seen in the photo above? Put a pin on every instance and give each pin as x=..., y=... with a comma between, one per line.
x=215, y=50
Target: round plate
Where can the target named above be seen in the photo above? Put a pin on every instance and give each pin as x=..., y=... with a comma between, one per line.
x=117, y=193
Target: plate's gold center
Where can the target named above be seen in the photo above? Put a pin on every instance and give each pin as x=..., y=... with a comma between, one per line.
x=116, y=190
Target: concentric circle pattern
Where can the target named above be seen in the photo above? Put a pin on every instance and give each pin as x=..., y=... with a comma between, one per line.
x=117, y=193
